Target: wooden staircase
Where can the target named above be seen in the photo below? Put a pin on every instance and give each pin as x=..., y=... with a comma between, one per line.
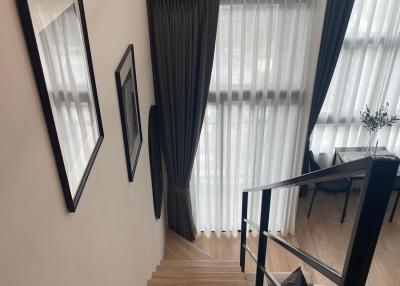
x=198, y=273
x=185, y=264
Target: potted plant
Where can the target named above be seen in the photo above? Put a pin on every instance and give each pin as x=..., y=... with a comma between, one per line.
x=374, y=121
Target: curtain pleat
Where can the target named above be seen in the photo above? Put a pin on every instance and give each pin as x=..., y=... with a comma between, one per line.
x=252, y=123
x=182, y=43
x=367, y=73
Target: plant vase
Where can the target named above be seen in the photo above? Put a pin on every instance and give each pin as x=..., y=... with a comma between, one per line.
x=370, y=149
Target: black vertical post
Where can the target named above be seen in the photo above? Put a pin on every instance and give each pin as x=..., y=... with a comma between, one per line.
x=262, y=239
x=374, y=199
x=243, y=230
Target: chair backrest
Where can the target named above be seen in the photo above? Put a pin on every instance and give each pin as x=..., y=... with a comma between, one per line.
x=396, y=184
x=313, y=164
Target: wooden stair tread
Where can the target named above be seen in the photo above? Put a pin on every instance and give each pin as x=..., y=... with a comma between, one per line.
x=202, y=275
x=209, y=262
x=185, y=264
x=195, y=282
x=197, y=269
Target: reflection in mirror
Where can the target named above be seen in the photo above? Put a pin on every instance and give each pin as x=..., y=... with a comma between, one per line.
x=68, y=92
x=68, y=84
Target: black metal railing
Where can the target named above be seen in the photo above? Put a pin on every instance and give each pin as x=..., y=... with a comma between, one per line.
x=379, y=174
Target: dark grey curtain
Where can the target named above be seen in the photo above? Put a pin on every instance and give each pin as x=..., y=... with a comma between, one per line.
x=182, y=35
x=337, y=16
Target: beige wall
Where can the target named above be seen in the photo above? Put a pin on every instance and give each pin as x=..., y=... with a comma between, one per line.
x=113, y=238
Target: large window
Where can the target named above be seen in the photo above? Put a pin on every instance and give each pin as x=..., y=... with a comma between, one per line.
x=252, y=127
x=367, y=72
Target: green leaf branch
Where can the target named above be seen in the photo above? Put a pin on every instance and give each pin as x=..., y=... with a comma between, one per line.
x=373, y=121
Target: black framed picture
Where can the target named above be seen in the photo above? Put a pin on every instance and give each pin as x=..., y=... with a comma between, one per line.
x=125, y=76
x=58, y=45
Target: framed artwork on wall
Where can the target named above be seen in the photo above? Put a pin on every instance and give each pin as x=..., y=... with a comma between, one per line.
x=58, y=45
x=125, y=76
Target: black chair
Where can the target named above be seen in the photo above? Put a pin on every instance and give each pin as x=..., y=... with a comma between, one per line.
x=396, y=188
x=342, y=185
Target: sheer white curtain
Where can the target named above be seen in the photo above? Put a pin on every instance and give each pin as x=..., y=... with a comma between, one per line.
x=70, y=94
x=368, y=72
x=252, y=127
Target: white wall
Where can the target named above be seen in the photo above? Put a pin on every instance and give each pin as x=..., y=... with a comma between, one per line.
x=113, y=238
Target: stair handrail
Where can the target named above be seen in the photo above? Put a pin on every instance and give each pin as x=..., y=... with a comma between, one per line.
x=379, y=174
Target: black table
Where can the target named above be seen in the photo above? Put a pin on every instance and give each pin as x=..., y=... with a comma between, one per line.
x=347, y=154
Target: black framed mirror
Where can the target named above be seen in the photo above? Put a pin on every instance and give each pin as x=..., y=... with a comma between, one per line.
x=58, y=45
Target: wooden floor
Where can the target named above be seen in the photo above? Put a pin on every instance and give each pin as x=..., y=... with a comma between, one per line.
x=185, y=264
x=323, y=236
